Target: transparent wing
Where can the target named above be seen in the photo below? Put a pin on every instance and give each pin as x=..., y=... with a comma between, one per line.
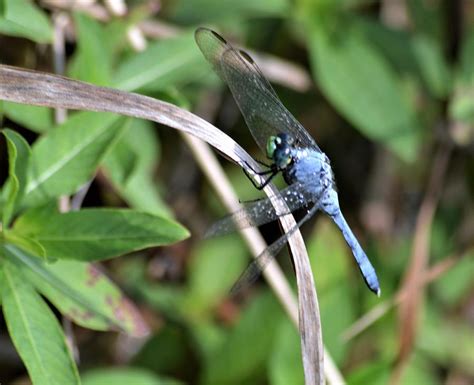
x=263, y=112
x=261, y=211
x=256, y=267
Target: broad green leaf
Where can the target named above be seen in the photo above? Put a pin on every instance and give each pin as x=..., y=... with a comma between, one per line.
x=24, y=19
x=130, y=166
x=34, y=329
x=246, y=350
x=80, y=303
x=285, y=366
x=68, y=155
x=330, y=257
x=26, y=243
x=433, y=66
x=96, y=234
x=132, y=376
x=357, y=80
x=165, y=63
x=19, y=155
x=95, y=290
x=35, y=118
x=199, y=11
x=222, y=259
x=92, y=59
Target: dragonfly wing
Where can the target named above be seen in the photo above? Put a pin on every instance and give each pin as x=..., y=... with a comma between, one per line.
x=256, y=267
x=261, y=211
x=263, y=112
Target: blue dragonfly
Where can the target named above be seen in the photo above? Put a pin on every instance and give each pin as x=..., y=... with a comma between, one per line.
x=291, y=150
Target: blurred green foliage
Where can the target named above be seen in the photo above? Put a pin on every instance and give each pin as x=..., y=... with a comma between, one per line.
x=393, y=86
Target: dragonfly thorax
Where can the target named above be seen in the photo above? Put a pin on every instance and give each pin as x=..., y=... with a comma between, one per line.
x=280, y=150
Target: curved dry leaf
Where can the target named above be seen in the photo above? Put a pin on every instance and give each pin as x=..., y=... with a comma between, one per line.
x=43, y=89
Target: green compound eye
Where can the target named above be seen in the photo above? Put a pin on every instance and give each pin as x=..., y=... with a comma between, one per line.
x=272, y=145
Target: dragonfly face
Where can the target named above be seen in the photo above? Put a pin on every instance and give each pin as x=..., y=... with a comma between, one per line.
x=280, y=150
x=305, y=168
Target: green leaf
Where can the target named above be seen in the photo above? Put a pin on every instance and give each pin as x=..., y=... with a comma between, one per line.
x=453, y=285
x=165, y=63
x=19, y=154
x=130, y=165
x=80, y=303
x=96, y=291
x=199, y=11
x=92, y=59
x=461, y=107
x=35, y=331
x=215, y=267
x=373, y=372
x=357, y=80
x=97, y=234
x=67, y=156
x=132, y=376
x=35, y=118
x=433, y=66
x=26, y=243
x=285, y=366
x=246, y=350
x=24, y=19
x=166, y=351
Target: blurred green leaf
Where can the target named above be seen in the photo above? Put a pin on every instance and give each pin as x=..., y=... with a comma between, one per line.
x=92, y=59
x=68, y=155
x=420, y=371
x=373, y=372
x=285, y=365
x=427, y=17
x=130, y=165
x=433, y=66
x=96, y=234
x=38, y=119
x=132, y=376
x=34, y=329
x=19, y=155
x=215, y=266
x=24, y=19
x=329, y=256
x=447, y=341
x=461, y=107
x=248, y=346
x=199, y=11
x=453, y=285
x=360, y=84
x=392, y=43
x=167, y=351
x=165, y=63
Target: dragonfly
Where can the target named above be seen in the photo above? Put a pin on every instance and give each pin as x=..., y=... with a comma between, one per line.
x=290, y=149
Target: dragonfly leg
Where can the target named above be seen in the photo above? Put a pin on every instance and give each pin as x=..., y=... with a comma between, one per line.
x=260, y=186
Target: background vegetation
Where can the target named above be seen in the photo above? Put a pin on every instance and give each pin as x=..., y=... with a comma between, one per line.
x=387, y=90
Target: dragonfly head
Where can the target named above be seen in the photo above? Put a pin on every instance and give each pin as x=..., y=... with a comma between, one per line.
x=280, y=150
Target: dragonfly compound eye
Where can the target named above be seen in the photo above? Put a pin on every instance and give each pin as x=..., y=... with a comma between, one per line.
x=272, y=144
